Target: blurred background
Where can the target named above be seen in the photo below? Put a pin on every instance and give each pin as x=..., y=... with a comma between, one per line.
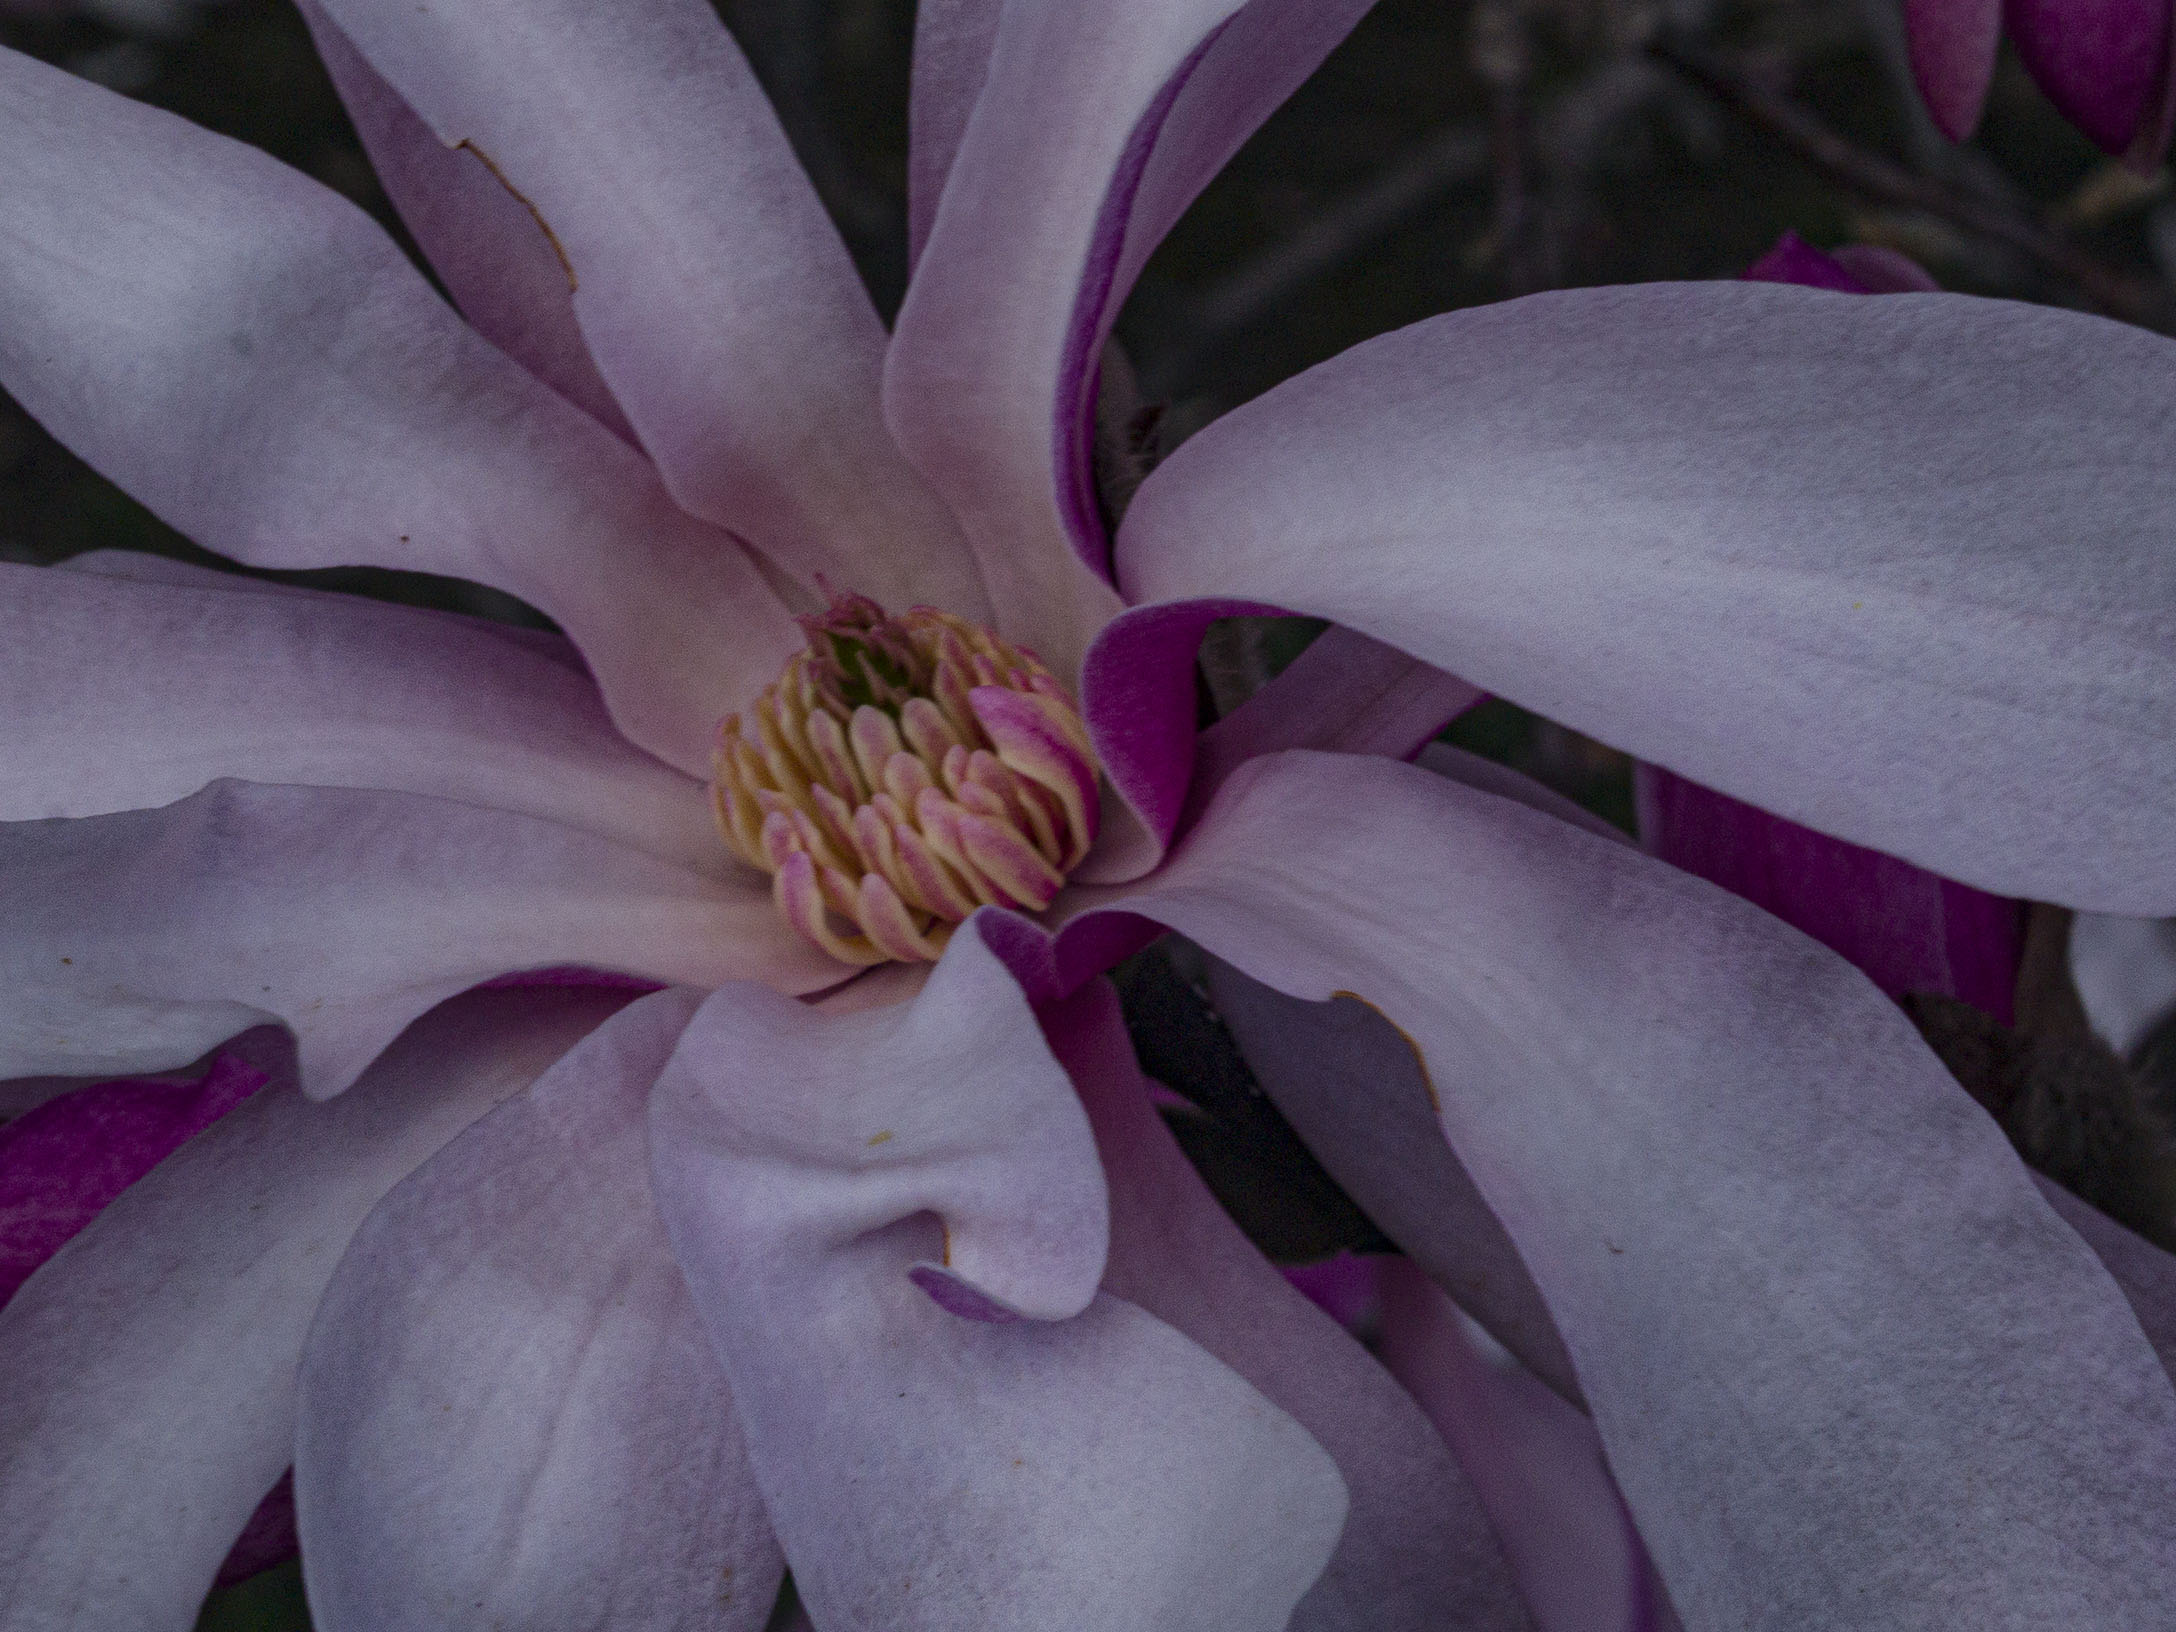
x=1451, y=153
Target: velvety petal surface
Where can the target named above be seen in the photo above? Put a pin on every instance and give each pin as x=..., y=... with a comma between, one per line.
x=1807, y=1287
x=1953, y=44
x=248, y=354
x=2100, y=61
x=863, y=1204
x=1417, y=1554
x=151, y=1363
x=2125, y=972
x=714, y=294
x=952, y=41
x=508, y=1412
x=1893, y=569
x=1535, y=1459
x=1908, y=929
x=1098, y=122
x=225, y=680
x=496, y=256
x=137, y=941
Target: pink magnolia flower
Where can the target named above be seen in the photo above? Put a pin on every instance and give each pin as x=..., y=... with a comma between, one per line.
x=2103, y=63
x=576, y=1310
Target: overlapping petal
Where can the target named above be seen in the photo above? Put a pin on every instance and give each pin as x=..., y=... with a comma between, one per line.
x=1096, y=125
x=924, y=1470
x=493, y=252
x=2101, y=62
x=249, y=355
x=1417, y=1553
x=508, y=1412
x=2125, y=971
x=713, y=291
x=136, y=941
x=1806, y=1285
x=952, y=42
x=1893, y=569
x=151, y=1363
x=125, y=694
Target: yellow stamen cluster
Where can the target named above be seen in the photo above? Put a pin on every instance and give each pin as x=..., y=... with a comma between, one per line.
x=902, y=772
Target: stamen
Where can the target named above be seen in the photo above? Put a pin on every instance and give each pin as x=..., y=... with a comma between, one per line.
x=901, y=772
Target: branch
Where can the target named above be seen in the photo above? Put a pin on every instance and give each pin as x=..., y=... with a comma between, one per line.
x=2135, y=300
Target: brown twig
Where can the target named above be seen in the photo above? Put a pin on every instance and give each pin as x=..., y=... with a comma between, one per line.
x=2135, y=300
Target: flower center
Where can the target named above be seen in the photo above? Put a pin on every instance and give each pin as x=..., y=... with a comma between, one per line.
x=902, y=772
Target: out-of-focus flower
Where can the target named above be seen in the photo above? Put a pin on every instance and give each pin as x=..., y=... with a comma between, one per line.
x=2104, y=63
x=906, y=1284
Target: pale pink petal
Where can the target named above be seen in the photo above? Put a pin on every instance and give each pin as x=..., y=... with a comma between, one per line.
x=2146, y=1273
x=1953, y=58
x=151, y=1364
x=136, y=941
x=1536, y=1461
x=128, y=694
x=1894, y=569
x=1098, y=123
x=1910, y=930
x=493, y=252
x=1806, y=1284
x=1417, y=1554
x=2125, y=971
x=714, y=294
x=2101, y=62
x=924, y=1470
x=952, y=42
x=508, y=1413
x=249, y=355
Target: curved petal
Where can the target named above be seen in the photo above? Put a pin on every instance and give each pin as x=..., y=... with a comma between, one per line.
x=135, y=942
x=63, y=1162
x=1894, y=569
x=508, y=1413
x=1417, y=1554
x=2125, y=972
x=1097, y=124
x=151, y=1364
x=2101, y=62
x=2146, y=1274
x=1536, y=1460
x=1806, y=1285
x=1880, y=270
x=1100, y=1462
x=1953, y=44
x=714, y=294
x=329, y=690
x=952, y=44
x=246, y=352
x=1793, y=260
x=495, y=255
x=1910, y=930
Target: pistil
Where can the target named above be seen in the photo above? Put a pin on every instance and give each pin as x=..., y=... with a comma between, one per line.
x=902, y=772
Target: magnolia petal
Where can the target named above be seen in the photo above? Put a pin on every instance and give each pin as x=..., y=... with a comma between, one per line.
x=134, y=942
x=1893, y=569
x=1805, y=1283
x=151, y=1363
x=1417, y=1553
x=952, y=43
x=249, y=355
x=1098, y=122
x=714, y=293
x=924, y=1470
x=2101, y=62
x=496, y=257
x=2146, y=1274
x=1880, y=270
x=1908, y=929
x=508, y=1412
x=2125, y=972
x=1953, y=45
x=1316, y=1061
x=1536, y=1461
x=330, y=690
x=1793, y=260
